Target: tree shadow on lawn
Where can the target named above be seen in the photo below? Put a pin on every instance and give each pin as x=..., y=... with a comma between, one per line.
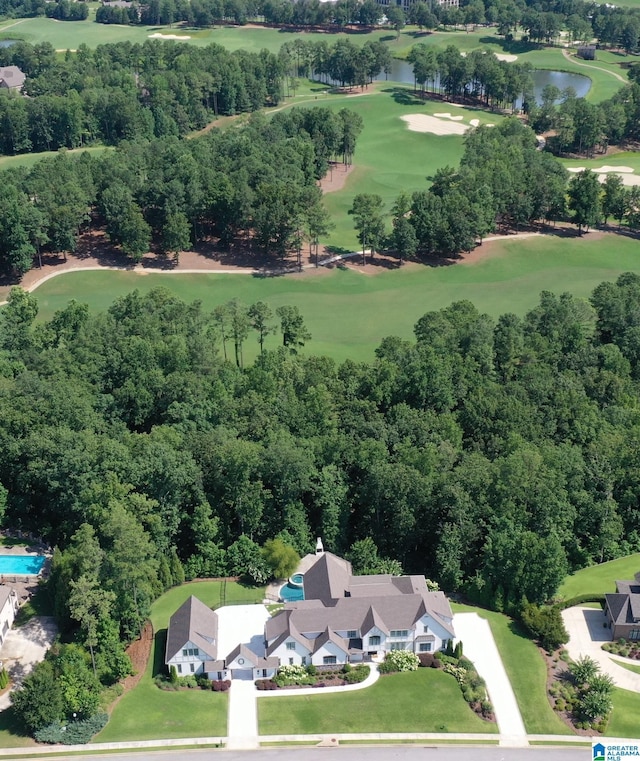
x=404, y=96
x=10, y=723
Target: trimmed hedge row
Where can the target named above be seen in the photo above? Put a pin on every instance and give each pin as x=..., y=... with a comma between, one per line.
x=580, y=599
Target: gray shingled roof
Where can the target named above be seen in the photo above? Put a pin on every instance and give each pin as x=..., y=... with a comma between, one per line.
x=5, y=593
x=193, y=622
x=632, y=590
x=12, y=77
x=328, y=635
x=328, y=578
x=618, y=606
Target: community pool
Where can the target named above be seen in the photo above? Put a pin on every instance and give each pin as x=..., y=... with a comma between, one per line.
x=21, y=565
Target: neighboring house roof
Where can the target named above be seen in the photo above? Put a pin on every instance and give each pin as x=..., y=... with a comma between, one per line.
x=5, y=595
x=193, y=622
x=624, y=605
x=11, y=77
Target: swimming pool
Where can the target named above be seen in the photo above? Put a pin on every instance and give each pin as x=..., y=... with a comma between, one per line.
x=292, y=591
x=21, y=565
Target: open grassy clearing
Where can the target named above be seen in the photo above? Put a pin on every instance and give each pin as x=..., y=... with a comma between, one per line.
x=391, y=158
x=146, y=712
x=426, y=700
x=600, y=579
x=624, y=158
x=526, y=671
x=29, y=159
x=349, y=313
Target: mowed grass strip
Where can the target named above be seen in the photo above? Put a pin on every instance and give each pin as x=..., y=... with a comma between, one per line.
x=349, y=313
x=526, y=671
x=147, y=712
x=426, y=700
x=599, y=579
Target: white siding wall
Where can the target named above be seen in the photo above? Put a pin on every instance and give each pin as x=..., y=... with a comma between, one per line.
x=330, y=650
x=184, y=662
x=297, y=654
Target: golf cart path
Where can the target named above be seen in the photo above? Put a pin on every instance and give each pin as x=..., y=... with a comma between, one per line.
x=480, y=647
x=568, y=56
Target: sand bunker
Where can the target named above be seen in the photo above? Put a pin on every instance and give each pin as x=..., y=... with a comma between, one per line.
x=160, y=36
x=627, y=179
x=449, y=116
x=475, y=122
x=508, y=57
x=603, y=169
x=424, y=123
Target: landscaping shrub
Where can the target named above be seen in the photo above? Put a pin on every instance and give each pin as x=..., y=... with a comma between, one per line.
x=4, y=678
x=427, y=660
x=72, y=733
x=346, y=668
x=546, y=625
x=190, y=681
x=222, y=685
x=399, y=660
x=312, y=670
x=579, y=600
x=357, y=674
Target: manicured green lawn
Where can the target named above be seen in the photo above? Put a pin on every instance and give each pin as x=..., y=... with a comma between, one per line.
x=625, y=158
x=147, y=712
x=526, y=671
x=628, y=666
x=624, y=719
x=210, y=592
x=426, y=700
x=349, y=313
x=29, y=159
x=599, y=579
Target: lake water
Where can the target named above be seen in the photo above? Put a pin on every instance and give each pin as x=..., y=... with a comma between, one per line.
x=402, y=71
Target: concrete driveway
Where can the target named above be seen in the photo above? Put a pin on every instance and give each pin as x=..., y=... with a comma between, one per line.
x=241, y=624
x=587, y=633
x=25, y=646
x=480, y=647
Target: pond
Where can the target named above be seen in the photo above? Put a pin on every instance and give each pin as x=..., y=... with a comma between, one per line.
x=7, y=43
x=402, y=71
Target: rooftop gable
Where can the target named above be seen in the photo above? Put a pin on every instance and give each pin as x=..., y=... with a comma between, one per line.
x=192, y=622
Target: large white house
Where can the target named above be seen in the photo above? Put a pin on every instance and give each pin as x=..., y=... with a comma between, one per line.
x=346, y=618
x=343, y=619
x=8, y=610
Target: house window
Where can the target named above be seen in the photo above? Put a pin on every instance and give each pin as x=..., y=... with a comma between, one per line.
x=374, y=640
x=264, y=672
x=425, y=647
x=193, y=668
x=304, y=660
x=219, y=676
x=426, y=629
x=399, y=633
x=291, y=661
x=352, y=634
x=195, y=651
x=185, y=653
x=397, y=645
x=179, y=667
x=445, y=644
x=329, y=660
x=291, y=645
x=634, y=634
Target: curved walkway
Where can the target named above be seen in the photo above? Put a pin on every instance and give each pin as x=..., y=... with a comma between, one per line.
x=480, y=647
x=587, y=633
x=571, y=58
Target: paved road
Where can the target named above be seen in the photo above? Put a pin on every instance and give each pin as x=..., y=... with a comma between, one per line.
x=480, y=647
x=586, y=635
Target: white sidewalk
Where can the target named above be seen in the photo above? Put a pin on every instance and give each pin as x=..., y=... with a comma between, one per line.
x=480, y=647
